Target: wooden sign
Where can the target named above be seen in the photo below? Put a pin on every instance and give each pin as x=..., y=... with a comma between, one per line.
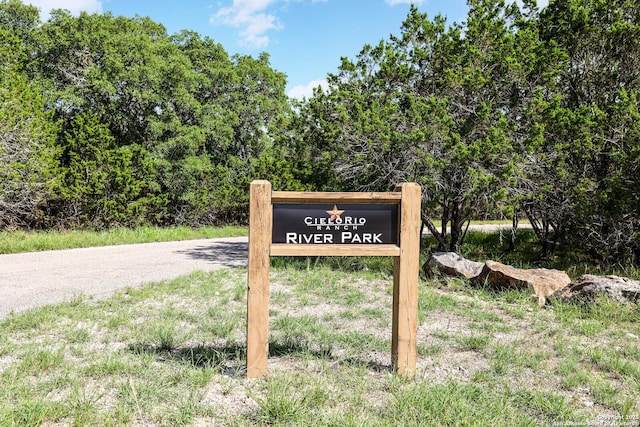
x=334, y=224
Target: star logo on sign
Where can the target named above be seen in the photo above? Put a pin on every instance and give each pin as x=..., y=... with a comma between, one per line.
x=335, y=213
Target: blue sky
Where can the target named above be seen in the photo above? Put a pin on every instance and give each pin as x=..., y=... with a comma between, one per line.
x=305, y=38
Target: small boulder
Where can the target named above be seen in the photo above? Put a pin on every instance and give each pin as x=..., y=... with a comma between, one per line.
x=541, y=282
x=451, y=264
x=619, y=289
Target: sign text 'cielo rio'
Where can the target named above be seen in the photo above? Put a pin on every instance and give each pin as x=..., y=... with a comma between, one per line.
x=335, y=223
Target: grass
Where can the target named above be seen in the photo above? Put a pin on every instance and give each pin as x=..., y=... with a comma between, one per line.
x=173, y=353
x=25, y=241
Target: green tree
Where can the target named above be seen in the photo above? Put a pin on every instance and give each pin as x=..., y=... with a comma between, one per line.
x=213, y=151
x=19, y=20
x=124, y=70
x=200, y=116
x=101, y=182
x=592, y=125
x=432, y=105
x=27, y=136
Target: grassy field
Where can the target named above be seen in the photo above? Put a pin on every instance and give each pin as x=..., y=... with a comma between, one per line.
x=172, y=353
x=23, y=241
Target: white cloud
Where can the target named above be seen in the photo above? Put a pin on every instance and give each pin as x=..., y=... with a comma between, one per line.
x=306, y=91
x=254, y=19
x=251, y=17
x=74, y=6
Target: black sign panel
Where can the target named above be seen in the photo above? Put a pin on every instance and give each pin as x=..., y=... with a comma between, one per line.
x=326, y=224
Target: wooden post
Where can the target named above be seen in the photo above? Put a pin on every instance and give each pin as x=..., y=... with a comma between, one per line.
x=405, y=283
x=260, y=223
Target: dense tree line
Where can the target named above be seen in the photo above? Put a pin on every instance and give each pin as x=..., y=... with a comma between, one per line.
x=514, y=113
x=111, y=121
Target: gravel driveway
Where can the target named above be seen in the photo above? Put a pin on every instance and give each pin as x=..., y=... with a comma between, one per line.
x=35, y=279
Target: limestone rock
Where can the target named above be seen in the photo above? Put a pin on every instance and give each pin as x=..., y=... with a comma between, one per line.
x=540, y=281
x=619, y=289
x=451, y=264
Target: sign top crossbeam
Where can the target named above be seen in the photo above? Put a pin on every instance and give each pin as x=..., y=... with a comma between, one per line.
x=319, y=197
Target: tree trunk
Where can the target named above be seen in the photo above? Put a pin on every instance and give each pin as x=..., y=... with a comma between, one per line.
x=457, y=223
x=442, y=242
